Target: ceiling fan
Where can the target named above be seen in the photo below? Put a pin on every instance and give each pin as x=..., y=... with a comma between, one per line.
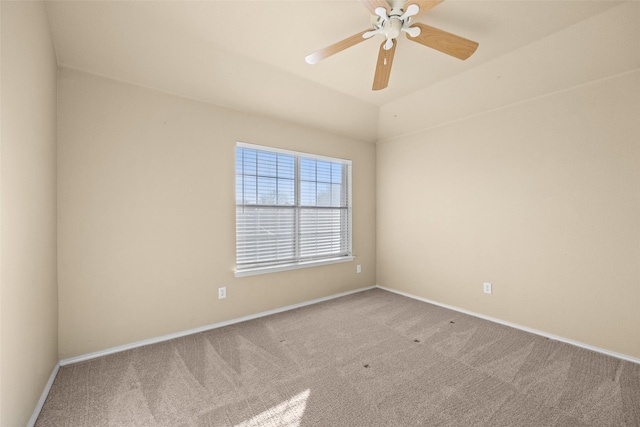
x=390, y=18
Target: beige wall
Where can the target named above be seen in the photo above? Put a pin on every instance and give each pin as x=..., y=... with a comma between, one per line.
x=146, y=186
x=29, y=310
x=541, y=198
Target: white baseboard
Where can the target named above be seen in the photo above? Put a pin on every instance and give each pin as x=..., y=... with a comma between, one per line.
x=43, y=396
x=516, y=326
x=89, y=356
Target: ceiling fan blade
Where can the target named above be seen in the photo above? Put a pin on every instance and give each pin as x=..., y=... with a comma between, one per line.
x=383, y=67
x=448, y=43
x=371, y=5
x=321, y=54
x=424, y=5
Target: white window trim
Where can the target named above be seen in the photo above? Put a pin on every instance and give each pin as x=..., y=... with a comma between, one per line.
x=291, y=152
x=311, y=263
x=293, y=266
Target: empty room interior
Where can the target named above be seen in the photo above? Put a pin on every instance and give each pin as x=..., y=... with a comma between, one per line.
x=482, y=195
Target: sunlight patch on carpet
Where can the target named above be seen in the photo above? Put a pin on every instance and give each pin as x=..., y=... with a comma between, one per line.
x=287, y=414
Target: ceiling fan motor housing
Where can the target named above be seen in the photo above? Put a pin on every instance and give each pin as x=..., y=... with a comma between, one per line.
x=392, y=27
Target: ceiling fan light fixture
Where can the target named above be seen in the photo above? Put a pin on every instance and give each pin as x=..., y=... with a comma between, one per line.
x=392, y=28
x=391, y=23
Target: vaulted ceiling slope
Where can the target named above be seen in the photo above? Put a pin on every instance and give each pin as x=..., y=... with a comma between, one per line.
x=249, y=56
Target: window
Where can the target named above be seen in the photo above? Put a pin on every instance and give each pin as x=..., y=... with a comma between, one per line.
x=292, y=210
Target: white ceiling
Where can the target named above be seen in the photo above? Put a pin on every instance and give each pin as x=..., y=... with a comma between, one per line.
x=249, y=55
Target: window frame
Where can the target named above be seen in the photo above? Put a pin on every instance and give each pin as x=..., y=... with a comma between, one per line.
x=297, y=207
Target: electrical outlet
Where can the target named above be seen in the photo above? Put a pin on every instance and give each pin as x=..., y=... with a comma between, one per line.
x=222, y=292
x=358, y=268
x=487, y=287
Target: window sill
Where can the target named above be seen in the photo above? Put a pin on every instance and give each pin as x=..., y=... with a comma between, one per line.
x=286, y=267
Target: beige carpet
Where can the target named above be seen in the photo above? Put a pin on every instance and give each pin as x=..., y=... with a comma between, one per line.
x=368, y=359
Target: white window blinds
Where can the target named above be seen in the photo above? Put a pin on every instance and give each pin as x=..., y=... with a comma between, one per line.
x=291, y=208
